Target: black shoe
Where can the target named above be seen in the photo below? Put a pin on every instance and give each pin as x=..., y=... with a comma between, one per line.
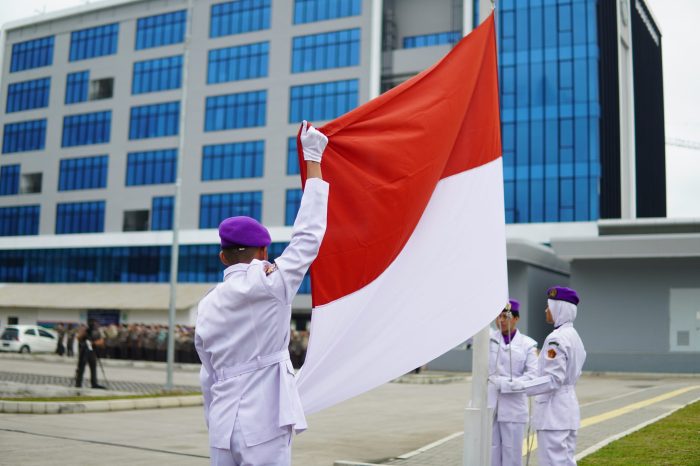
x=99, y=387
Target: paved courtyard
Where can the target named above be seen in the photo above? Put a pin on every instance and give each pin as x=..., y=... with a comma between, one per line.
x=377, y=427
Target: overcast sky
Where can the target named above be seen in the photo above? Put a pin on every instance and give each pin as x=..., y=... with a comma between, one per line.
x=679, y=21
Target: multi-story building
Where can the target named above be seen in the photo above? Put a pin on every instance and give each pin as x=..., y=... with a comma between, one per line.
x=102, y=102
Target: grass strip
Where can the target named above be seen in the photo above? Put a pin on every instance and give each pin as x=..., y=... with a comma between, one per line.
x=673, y=440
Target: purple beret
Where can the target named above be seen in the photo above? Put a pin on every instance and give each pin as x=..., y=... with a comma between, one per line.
x=514, y=305
x=562, y=293
x=243, y=231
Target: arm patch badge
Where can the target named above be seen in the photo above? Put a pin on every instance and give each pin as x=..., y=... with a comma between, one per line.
x=270, y=269
x=551, y=354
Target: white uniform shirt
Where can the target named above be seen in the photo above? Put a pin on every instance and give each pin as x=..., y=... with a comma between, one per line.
x=510, y=407
x=560, y=364
x=242, y=336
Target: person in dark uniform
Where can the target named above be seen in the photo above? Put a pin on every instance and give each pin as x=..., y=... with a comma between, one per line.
x=88, y=337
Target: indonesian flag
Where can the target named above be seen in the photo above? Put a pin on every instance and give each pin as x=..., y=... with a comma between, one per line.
x=414, y=260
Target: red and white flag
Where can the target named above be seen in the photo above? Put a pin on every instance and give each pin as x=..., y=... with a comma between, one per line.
x=414, y=260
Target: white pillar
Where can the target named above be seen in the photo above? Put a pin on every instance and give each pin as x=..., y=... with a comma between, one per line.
x=477, y=417
x=628, y=188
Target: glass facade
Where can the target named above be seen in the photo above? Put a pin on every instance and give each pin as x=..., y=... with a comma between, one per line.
x=322, y=101
x=77, y=87
x=87, y=128
x=231, y=161
x=239, y=16
x=292, y=157
x=21, y=220
x=80, y=217
x=32, y=54
x=309, y=11
x=131, y=264
x=24, y=136
x=94, y=42
x=213, y=208
x=335, y=49
x=242, y=110
x=429, y=40
x=548, y=64
x=292, y=203
x=153, y=121
x=162, y=213
x=159, y=74
x=160, y=30
x=248, y=61
x=151, y=167
x=9, y=180
x=83, y=173
x=27, y=95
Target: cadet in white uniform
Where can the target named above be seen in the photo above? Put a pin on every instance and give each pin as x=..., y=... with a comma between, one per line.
x=556, y=412
x=251, y=404
x=512, y=356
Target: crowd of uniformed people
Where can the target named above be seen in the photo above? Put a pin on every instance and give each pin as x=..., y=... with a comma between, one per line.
x=149, y=342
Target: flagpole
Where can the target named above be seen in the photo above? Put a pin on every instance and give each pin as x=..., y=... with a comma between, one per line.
x=478, y=418
x=175, y=246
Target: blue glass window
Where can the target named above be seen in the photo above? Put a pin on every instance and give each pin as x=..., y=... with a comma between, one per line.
x=327, y=50
x=231, y=111
x=27, y=95
x=19, y=221
x=32, y=54
x=77, y=87
x=162, y=213
x=292, y=156
x=236, y=63
x=152, y=121
x=292, y=203
x=429, y=40
x=94, y=42
x=198, y=263
x=309, y=11
x=550, y=110
x=83, y=173
x=159, y=74
x=151, y=167
x=322, y=101
x=24, y=136
x=238, y=17
x=9, y=180
x=213, y=208
x=159, y=30
x=235, y=160
x=86, y=128
x=80, y=217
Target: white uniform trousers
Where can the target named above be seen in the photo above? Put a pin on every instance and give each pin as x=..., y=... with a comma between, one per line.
x=507, y=443
x=556, y=447
x=275, y=452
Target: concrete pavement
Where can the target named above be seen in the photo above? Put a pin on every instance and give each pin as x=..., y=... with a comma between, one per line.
x=376, y=427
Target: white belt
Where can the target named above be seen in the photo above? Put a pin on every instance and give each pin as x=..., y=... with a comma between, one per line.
x=252, y=365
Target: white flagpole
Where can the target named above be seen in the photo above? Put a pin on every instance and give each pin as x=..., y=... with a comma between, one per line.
x=477, y=416
x=175, y=246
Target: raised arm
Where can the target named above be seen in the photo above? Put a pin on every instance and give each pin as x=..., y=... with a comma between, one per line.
x=310, y=224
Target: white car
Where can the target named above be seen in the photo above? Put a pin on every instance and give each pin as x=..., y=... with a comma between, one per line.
x=28, y=339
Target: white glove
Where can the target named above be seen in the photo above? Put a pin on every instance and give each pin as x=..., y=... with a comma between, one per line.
x=496, y=380
x=511, y=387
x=313, y=142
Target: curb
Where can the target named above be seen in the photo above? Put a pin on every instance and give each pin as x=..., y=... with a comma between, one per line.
x=99, y=406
